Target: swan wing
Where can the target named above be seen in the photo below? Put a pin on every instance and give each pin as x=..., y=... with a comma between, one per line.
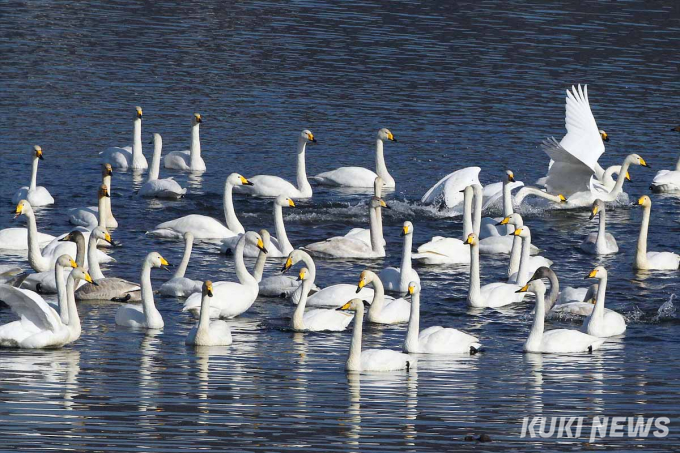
x=347, y=177
x=440, y=340
x=202, y=227
x=582, y=141
x=567, y=175
x=663, y=260
x=340, y=247
x=180, y=287
x=394, y=311
x=177, y=160
x=385, y=360
x=568, y=341
x=447, y=190
x=108, y=289
x=130, y=316
x=322, y=319
x=162, y=188
x=29, y=305
x=117, y=157
x=17, y=239
x=493, y=194
x=269, y=187
x=338, y=295
x=84, y=217
x=229, y=300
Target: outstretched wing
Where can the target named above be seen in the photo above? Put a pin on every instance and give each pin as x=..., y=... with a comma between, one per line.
x=27, y=304
x=583, y=141
x=567, y=175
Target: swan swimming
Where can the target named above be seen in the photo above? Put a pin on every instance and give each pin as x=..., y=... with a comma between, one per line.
x=318, y=319
x=391, y=311
x=145, y=315
x=600, y=323
x=516, y=254
x=667, y=181
x=571, y=301
x=128, y=157
x=272, y=186
x=179, y=285
x=190, y=160
x=207, y=332
x=160, y=188
x=360, y=176
x=396, y=279
x=93, y=216
x=645, y=260
x=600, y=242
x=36, y=195
x=446, y=193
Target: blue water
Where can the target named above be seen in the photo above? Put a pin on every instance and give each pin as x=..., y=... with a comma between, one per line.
x=459, y=84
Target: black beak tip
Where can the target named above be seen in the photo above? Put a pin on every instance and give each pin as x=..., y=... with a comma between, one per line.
x=210, y=293
x=264, y=249
x=394, y=140
x=95, y=283
x=249, y=183
x=402, y=234
x=314, y=140
x=358, y=290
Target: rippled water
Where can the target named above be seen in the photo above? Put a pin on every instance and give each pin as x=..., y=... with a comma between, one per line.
x=459, y=84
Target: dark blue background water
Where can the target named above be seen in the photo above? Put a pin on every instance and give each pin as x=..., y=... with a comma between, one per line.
x=470, y=83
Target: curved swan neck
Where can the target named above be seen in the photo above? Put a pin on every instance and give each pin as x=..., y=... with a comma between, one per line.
x=35, y=258
x=523, y=272
x=515, y=255
x=527, y=191
x=281, y=235
x=299, y=314
x=73, y=318
x=405, y=269
x=258, y=270
x=478, y=200
x=467, y=213
x=182, y=268
x=302, y=183
x=474, y=291
x=137, y=140
x=641, y=252
x=618, y=187
x=229, y=213
x=380, y=167
x=242, y=273
x=535, y=337
x=62, y=298
x=598, y=311
x=195, y=146
x=92, y=260
x=601, y=231
x=34, y=173
x=354, y=358
x=378, y=295
x=155, y=169
x=413, y=331
x=80, y=250
x=376, y=236
x=554, y=291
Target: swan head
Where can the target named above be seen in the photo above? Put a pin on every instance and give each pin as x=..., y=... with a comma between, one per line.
x=355, y=304
x=256, y=240
x=293, y=257
x=303, y=274
x=207, y=288
x=413, y=288
x=385, y=134
x=237, y=180
x=599, y=272
x=406, y=229
x=365, y=278
x=107, y=170
x=562, y=198
x=541, y=272
x=284, y=201
x=511, y=175
x=636, y=159
x=78, y=273
x=37, y=152
x=138, y=112
x=514, y=219
x=603, y=134
x=378, y=203
x=644, y=201
x=522, y=232
x=65, y=260
x=598, y=205
x=196, y=119
x=23, y=208
x=156, y=260
x=103, y=192
x=472, y=239
x=188, y=237
x=534, y=286
x=307, y=136
x=156, y=140
x=74, y=236
x=101, y=233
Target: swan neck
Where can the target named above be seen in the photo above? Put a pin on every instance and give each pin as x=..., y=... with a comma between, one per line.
x=62, y=298
x=507, y=203
x=204, y=319
x=182, y=268
x=354, y=358
x=601, y=231
x=92, y=260
x=195, y=146
x=474, y=291
x=554, y=291
x=535, y=337
x=35, y=258
x=302, y=183
x=515, y=257
x=155, y=169
x=523, y=273
x=258, y=270
x=380, y=167
x=299, y=314
x=281, y=235
x=598, y=311
x=73, y=318
x=677, y=165
x=478, y=200
x=618, y=187
x=106, y=180
x=137, y=140
x=34, y=174
x=376, y=236
x=641, y=252
x=467, y=214
x=378, y=297
x=101, y=212
x=147, y=292
x=405, y=269
x=242, y=273
x=413, y=324
x=229, y=213
x=80, y=250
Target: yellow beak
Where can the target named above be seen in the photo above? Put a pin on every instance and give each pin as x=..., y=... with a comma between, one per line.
x=345, y=307
x=291, y=203
x=73, y=264
x=517, y=232
x=628, y=176
x=164, y=262
x=88, y=278
x=524, y=289
x=593, y=273
x=505, y=221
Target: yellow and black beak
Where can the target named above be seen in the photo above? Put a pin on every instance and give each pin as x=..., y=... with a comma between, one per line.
x=594, y=212
x=287, y=265
x=66, y=238
x=511, y=177
x=19, y=210
x=605, y=137
x=139, y=113
x=523, y=289
x=105, y=192
x=592, y=274
x=165, y=264
x=311, y=138
x=345, y=307
x=411, y=290
x=517, y=232
x=361, y=285
x=88, y=279
x=504, y=221
x=383, y=204
x=73, y=263
x=641, y=200
x=107, y=238
x=245, y=182
x=470, y=240
x=404, y=231
x=562, y=199
x=39, y=154
x=291, y=203
x=260, y=245
x=208, y=291
x=199, y=118
x=301, y=275
x=390, y=137
x=644, y=164
x=628, y=177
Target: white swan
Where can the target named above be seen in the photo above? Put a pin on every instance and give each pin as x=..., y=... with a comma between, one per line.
x=601, y=242
x=145, y=315
x=528, y=191
x=608, y=181
x=330, y=296
x=110, y=288
x=179, y=285
x=207, y=332
x=40, y=326
x=645, y=260
x=360, y=176
x=160, y=188
x=36, y=195
x=279, y=246
x=391, y=311
x=273, y=186
x=490, y=295
x=348, y=247
x=527, y=263
x=190, y=160
x=600, y=323
x=516, y=254
x=560, y=341
x=667, y=181
x=16, y=238
x=319, y=319
x=371, y=359
x=128, y=157
x=571, y=301
x=435, y=339
x=397, y=278
x=364, y=234
x=204, y=227
x=93, y=216
x=231, y=298
x=446, y=193
x=489, y=226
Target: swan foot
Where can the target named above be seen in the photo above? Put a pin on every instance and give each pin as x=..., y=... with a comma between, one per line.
x=121, y=299
x=408, y=366
x=39, y=288
x=590, y=349
x=473, y=350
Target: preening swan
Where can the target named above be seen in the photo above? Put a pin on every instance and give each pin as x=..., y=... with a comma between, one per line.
x=493, y=294
x=128, y=157
x=360, y=176
x=40, y=326
x=273, y=186
x=35, y=194
x=231, y=299
x=179, y=285
x=160, y=188
x=318, y=319
x=145, y=315
x=645, y=260
x=447, y=193
x=560, y=341
x=600, y=323
x=106, y=288
x=601, y=242
x=391, y=311
x=92, y=216
x=516, y=254
x=204, y=227
x=435, y=339
x=371, y=359
x=279, y=246
x=348, y=247
x=207, y=332
x=330, y=296
x=190, y=160
x=397, y=278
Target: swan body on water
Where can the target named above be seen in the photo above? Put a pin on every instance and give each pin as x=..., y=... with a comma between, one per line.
x=446, y=193
x=359, y=176
x=144, y=315
x=317, y=319
x=190, y=160
x=600, y=242
x=179, y=285
x=35, y=194
x=160, y=188
x=204, y=227
x=645, y=260
x=93, y=216
x=667, y=181
x=396, y=279
x=569, y=302
x=435, y=339
x=382, y=310
x=601, y=323
x=371, y=359
x=364, y=234
x=267, y=186
x=128, y=157
x=208, y=332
